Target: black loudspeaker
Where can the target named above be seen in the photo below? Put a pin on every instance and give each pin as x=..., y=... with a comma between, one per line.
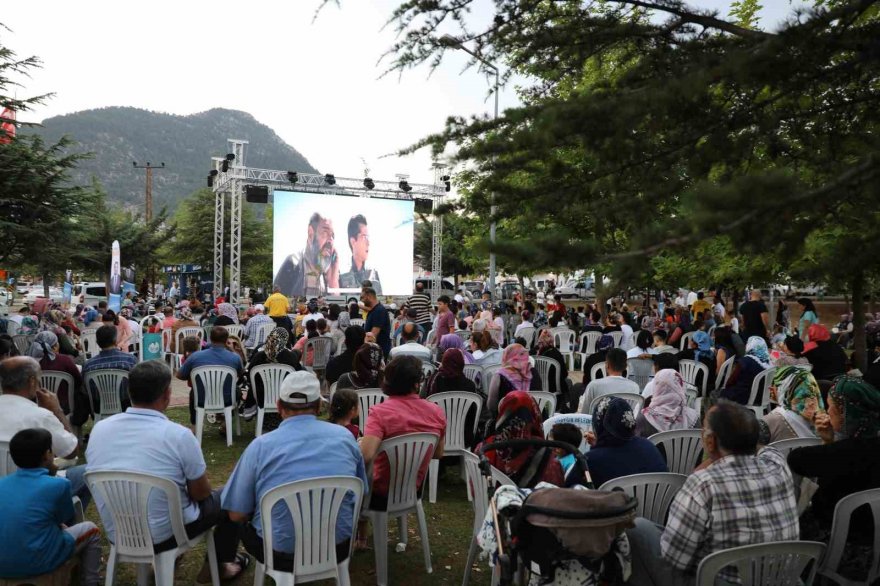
x=257, y=194
x=424, y=206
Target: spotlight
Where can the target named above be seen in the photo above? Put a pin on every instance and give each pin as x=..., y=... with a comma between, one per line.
x=446, y=179
x=210, y=181
x=368, y=183
x=134, y=164
x=404, y=186
x=229, y=157
x=224, y=166
x=292, y=176
x=330, y=179
x=214, y=172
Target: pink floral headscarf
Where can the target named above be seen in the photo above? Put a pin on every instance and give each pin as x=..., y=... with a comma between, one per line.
x=668, y=409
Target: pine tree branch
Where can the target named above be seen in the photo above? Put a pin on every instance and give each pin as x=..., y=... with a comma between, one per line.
x=703, y=20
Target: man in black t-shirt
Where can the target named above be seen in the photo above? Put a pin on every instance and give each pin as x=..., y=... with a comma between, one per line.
x=377, y=321
x=755, y=317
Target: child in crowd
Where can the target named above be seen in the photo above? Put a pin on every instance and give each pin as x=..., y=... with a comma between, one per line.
x=344, y=409
x=573, y=471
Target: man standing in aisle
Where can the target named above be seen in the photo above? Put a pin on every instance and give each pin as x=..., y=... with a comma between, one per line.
x=755, y=316
x=377, y=322
x=421, y=303
x=277, y=306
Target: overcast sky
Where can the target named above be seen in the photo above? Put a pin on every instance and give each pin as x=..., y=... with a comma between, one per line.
x=315, y=83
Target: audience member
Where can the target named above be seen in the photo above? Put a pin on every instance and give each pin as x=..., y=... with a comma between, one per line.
x=644, y=345
x=668, y=408
x=255, y=330
x=341, y=364
x=791, y=353
x=574, y=473
x=410, y=344
x=368, y=367
x=516, y=374
x=217, y=354
x=46, y=350
x=757, y=359
x=546, y=347
x=799, y=403
x=110, y=357
x=377, y=322
x=827, y=357
x=662, y=361
x=453, y=341
x=274, y=351
x=612, y=382
x=344, y=410
x=450, y=376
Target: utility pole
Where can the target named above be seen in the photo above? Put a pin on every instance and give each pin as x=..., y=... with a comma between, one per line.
x=148, y=213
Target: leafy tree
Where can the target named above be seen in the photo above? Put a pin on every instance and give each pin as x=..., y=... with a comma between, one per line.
x=459, y=257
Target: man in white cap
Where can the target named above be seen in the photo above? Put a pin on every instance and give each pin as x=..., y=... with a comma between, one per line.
x=254, y=332
x=302, y=447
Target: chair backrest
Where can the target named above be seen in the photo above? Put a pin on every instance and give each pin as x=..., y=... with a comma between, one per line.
x=544, y=366
x=190, y=331
x=528, y=334
x=724, y=372
x=23, y=342
x=683, y=449
x=711, y=333
x=760, y=395
x=108, y=384
x=213, y=379
x=779, y=563
x=563, y=338
x=696, y=373
x=7, y=466
x=51, y=380
x=428, y=368
x=840, y=530
x=271, y=375
x=456, y=405
x=126, y=496
x=366, y=399
x=321, y=347
x=89, y=342
x=588, y=341
x=474, y=373
x=635, y=400
x=488, y=372
x=582, y=421
x=464, y=335
x=544, y=400
x=406, y=454
x=654, y=492
x=640, y=371
x=207, y=332
x=617, y=337
x=477, y=486
x=787, y=445
x=266, y=329
x=598, y=371
x=684, y=340
x=692, y=394
x=166, y=339
x=356, y=322
x=314, y=506
x=235, y=330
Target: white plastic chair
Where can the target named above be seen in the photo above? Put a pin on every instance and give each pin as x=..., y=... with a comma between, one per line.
x=759, y=398
x=587, y=345
x=405, y=454
x=564, y=338
x=108, y=384
x=314, y=506
x=456, y=405
x=582, y=421
x=366, y=399
x=489, y=372
x=654, y=492
x=271, y=376
x=724, y=372
x=51, y=381
x=544, y=400
x=89, y=343
x=474, y=373
x=544, y=365
x=428, y=369
x=321, y=349
x=126, y=496
x=617, y=337
x=212, y=379
x=640, y=371
x=7, y=466
x=692, y=371
x=528, y=334
x=234, y=330
x=840, y=529
x=683, y=449
x=785, y=446
x=684, y=341
x=779, y=563
x=596, y=370
x=635, y=400
x=464, y=335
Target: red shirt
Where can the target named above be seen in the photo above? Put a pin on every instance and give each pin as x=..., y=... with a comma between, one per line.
x=400, y=415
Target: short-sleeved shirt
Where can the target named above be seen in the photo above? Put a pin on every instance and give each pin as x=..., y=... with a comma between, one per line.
x=33, y=505
x=212, y=356
x=400, y=415
x=17, y=413
x=110, y=359
x=751, y=311
x=378, y=318
x=276, y=305
x=302, y=447
x=144, y=440
x=412, y=349
x=421, y=302
x=606, y=386
x=445, y=321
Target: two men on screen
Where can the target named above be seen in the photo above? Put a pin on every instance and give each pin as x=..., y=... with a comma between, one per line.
x=359, y=243
x=313, y=271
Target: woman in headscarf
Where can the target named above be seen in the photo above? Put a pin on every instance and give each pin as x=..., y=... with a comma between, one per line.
x=448, y=341
x=756, y=361
x=800, y=401
x=227, y=315
x=185, y=321
x=45, y=350
x=615, y=450
x=518, y=418
x=450, y=376
x=827, y=357
x=274, y=351
x=849, y=459
x=791, y=353
x=516, y=374
x=123, y=329
x=367, y=369
x=668, y=410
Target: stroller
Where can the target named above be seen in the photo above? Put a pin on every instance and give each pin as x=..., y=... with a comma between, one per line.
x=559, y=528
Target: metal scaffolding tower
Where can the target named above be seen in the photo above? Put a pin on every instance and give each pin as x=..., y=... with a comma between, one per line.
x=238, y=176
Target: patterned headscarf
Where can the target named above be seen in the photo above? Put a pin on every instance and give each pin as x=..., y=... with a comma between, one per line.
x=229, y=311
x=606, y=342
x=545, y=340
x=756, y=349
x=42, y=346
x=798, y=391
x=448, y=341
x=186, y=313
x=816, y=333
x=859, y=402
x=668, y=409
x=516, y=367
x=367, y=366
x=276, y=341
x=344, y=320
x=613, y=422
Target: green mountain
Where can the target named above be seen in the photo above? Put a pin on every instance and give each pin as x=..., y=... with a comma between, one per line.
x=119, y=135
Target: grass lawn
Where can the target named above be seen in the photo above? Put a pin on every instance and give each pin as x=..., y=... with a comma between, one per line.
x=450, y=522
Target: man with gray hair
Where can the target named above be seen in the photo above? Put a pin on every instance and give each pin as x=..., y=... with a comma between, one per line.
x=409, y=344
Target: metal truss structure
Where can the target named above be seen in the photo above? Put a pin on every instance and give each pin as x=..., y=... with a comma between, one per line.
x=232, y=183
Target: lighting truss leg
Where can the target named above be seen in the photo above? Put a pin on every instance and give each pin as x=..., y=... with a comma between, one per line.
x=219, y=200
x=237, y=193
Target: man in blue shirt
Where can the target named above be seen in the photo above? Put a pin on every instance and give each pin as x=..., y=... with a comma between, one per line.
x=302, y=447
x=143, y=440
x=34, y=504
x=377, y=321
x=217, y=354
x=110, y=357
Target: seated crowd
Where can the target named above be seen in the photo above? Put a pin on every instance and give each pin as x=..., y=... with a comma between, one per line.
x=742, y=492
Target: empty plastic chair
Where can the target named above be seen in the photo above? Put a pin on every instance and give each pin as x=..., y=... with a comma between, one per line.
x=7, y=466
x=840, y=529
x=546, y=403
x=212, y=380
x=640, y=371
x=456, y=406
x=759, y=398
x=683, y=449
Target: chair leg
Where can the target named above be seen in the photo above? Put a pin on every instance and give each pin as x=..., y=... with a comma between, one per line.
x=433, y=472
x=111, y=567
x=229, y=417
x=212, y=558
x=237, y=421
x=258, y=430
x=403, y=529
x=423, y=532
x=259, y=574
x=164, y=568
x=472, y=555
x=380, y=545
x=342, y=576
x=200, y=423
x=142, y=577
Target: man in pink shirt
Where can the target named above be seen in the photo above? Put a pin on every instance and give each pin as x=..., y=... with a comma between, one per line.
x=169, y=318
x=402, y=412
x=445, y=318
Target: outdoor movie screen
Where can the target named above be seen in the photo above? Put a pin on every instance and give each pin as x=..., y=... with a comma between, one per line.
x=329, y=244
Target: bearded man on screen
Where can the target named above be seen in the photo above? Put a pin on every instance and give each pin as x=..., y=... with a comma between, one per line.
x=359, y=243
x=313, y=271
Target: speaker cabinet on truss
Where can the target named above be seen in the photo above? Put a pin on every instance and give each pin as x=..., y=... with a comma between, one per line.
x=257, y=193
x=423, y=205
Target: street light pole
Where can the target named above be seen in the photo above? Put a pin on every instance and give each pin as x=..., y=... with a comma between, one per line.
x=450, y=41
x=148, y=212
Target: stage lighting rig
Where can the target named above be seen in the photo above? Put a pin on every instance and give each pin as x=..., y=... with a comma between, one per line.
x=211, y=176
x=369, y=183
x=330, y=179
x=292, y=176
x=446, y=180
x=224, y=166
x=404, y=186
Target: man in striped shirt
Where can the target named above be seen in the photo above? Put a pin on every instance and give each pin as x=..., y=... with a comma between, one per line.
x=108, y=358
x=421, y=303
x=254, y=332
